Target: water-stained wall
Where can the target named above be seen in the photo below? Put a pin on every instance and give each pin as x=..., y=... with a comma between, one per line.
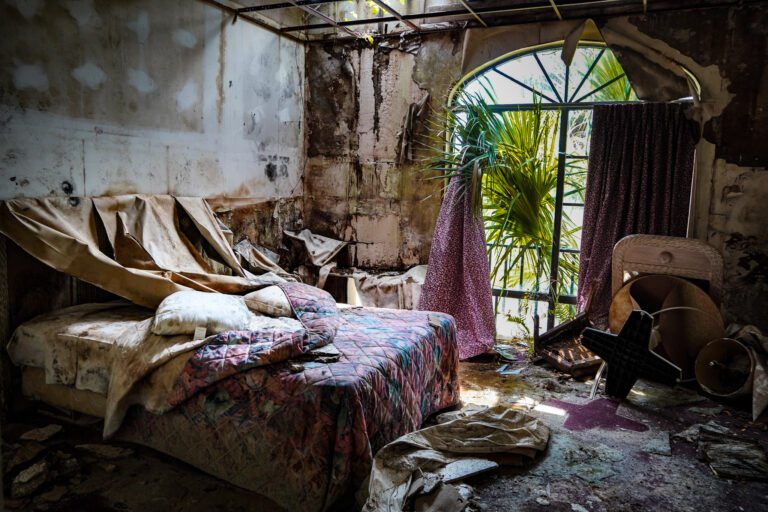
x=366, y=112
x=139, y=96
x=358, y=99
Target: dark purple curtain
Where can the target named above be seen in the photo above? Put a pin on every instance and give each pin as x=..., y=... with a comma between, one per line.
x=458, y=276
x=638, y=182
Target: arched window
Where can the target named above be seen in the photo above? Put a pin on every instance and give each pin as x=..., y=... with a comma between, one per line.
x=533, y=216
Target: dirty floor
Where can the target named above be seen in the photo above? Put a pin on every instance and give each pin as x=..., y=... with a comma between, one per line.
x=637, y=455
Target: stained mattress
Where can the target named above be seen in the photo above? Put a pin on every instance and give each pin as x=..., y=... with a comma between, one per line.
x=74, y=346
x=304, y=434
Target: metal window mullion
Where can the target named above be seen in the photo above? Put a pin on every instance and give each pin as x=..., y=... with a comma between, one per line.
x=606, y=84
x=549, y=80
x=534, y=296
x=559, y=191
x=586, y=75
x=524, y=86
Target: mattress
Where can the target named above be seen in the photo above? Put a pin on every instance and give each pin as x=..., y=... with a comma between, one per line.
x=33, y=386
x=312, y=425
x=74, y=346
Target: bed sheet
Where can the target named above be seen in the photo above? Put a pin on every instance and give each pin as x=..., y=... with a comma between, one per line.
x=304, y=434
x=74, y=345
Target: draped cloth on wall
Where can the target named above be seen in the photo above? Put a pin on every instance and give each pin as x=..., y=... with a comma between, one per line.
x=638, y=182
x=142, y=248
x=458, y=276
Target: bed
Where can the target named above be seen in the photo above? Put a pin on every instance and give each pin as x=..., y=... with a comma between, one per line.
x=256, y=408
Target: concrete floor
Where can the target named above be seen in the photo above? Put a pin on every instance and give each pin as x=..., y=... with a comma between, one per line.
x=603, y=456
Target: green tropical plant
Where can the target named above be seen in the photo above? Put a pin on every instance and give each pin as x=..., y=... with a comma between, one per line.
x=609, y=71
x=507, y=164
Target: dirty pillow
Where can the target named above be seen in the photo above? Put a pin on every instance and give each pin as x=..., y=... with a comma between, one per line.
x=183, y=312
x=270, y=301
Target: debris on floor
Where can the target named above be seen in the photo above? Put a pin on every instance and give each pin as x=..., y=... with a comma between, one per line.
x=417, y=470
x=602, y=456
x=105, y=451
x=41, y=434
x=732, y=457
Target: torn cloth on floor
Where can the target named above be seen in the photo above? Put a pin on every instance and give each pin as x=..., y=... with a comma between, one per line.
x=490, y=433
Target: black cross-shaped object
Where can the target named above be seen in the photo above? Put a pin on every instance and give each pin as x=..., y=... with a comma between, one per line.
x=628, y=355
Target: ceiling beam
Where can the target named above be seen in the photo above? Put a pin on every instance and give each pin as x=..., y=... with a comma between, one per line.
x=327, y=19
x=283, y=5
x=473, y=13
x=236, y=15
x=557, y=11
x=427, y=15
x=396, y=14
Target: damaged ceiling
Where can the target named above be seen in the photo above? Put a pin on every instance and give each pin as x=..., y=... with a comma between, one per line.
x=307, y=20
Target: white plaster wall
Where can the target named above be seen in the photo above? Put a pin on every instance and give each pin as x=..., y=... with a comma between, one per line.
x=147, y=97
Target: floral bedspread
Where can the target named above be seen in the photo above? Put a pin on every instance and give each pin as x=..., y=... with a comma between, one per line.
x=304, y=434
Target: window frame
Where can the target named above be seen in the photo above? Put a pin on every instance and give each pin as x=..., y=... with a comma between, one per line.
x=572, y=103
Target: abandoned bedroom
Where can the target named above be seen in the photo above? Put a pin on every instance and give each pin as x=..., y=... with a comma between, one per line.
x=384, y=255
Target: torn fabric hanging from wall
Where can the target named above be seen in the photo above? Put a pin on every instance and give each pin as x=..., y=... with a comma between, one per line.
x=638, y=182
x=132, y=246
x=392, y=289
x=405, y=146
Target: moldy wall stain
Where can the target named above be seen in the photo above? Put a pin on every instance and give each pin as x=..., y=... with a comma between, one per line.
x=357, y=107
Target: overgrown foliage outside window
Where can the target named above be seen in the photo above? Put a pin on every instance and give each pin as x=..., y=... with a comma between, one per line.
x=513, y=131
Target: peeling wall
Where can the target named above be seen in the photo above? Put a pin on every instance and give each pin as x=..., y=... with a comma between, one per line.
x=357, y=99
x=358, y=102
x=139, y=96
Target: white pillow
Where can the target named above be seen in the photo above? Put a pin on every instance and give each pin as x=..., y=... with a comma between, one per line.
x=269, y=301
x=182, y=312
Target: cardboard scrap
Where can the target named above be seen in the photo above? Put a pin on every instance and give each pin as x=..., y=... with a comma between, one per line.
x=465, y=468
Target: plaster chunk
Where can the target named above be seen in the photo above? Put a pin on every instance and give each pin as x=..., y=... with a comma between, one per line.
x=714, y=87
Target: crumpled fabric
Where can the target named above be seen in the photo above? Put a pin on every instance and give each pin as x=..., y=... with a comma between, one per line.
x=395, y=290
x=134, y=246
x=320, y=249
x=495, y=431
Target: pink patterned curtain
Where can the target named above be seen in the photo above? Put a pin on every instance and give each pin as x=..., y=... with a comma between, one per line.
x=458, y=276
